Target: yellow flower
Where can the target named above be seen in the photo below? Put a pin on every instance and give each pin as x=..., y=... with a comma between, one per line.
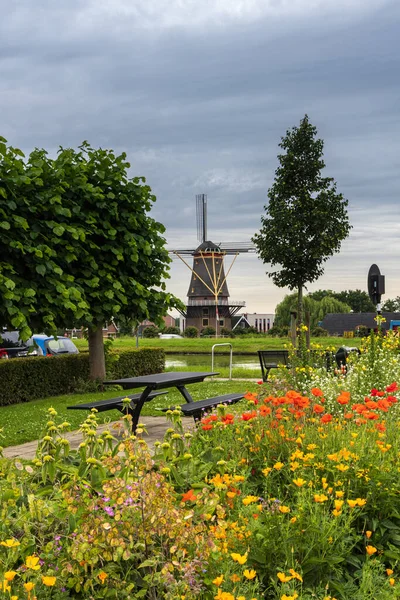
x=336, y=512
x=278, y=466
x=102, y=576
x=266, y=471
x=235, y=578
x=293, y=519
x=9, y=575
x=29, y=586
x=283, y=577
x=11, y=543
x=48, y=581
x=284, y=509
x=218, y=580
x=320, y=498
x=361, y=501
x=239, y=558
x=31, y=562
x=249, y=500
x=249, y=573
x=352, y=503
x=14, y=597
x=339, y=504
x=295, y=575
x=389, y=572
x=299, y=481
x=224, y=596
x=231, y=494
x=391, y=581
x=5, y=587
x=339, y=494
x=370, y=550
x=292, y=597
x=368, y=534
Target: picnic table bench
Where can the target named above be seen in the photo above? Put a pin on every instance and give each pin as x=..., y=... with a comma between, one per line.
x=153, y=383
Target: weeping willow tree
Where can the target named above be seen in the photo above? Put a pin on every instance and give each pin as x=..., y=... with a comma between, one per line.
x=317, y=309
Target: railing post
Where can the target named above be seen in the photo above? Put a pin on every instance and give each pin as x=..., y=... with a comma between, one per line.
x=230, y=361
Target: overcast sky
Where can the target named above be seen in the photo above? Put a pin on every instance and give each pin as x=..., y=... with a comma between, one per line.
x=199, y=94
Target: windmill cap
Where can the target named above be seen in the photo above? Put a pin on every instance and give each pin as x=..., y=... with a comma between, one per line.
x=208, y=247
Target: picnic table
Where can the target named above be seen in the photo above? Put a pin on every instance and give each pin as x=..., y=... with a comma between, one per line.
x=152, y=384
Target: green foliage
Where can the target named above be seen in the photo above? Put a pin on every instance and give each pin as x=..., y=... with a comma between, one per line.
x=151, y=331
x=225, y=331
x=319, y=332
x=361, y=331
x=174, y=330
x=391, y=305
x=358, y=300
x=207, y=331
x=191, y=332
x=26, y=379
x=317, y=308
x=306, y=219
x=77, y=246
x=277, y=331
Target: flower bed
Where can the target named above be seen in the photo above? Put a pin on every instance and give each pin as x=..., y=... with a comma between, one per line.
x=296, y=496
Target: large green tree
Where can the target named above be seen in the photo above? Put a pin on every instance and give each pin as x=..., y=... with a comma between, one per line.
x=306, y=218
x=392, y=305
x=80, y=247
x=316, y=308
x=358, y=300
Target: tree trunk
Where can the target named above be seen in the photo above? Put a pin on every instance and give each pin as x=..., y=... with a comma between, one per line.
x=300, y=315
x=96, y=354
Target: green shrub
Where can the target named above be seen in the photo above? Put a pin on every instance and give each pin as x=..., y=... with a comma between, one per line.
x=151, y=332
x=361, y=331
x=25, y=379
x=191, y=332
x=174, y=330
x=320, y=332
x=207, y=331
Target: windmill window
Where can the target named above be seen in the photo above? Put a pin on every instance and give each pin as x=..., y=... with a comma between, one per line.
x=222, y=322
x=205, y=322
x=192, y=290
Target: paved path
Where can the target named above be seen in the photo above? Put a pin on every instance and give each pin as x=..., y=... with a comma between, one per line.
x=156, y=427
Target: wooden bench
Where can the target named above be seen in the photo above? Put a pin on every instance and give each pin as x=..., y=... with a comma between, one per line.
x=115, y=403
x=197, y=409
x=272, y=359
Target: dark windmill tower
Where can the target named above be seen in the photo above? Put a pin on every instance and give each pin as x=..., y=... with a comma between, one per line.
x=208, y=295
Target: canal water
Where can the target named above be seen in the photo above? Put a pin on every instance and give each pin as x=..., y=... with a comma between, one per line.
x=177, y=361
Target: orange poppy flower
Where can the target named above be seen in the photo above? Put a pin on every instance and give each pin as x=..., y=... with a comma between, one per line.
x=189, y=496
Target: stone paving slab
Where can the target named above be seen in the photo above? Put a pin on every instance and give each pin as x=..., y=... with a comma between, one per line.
x=156, y=428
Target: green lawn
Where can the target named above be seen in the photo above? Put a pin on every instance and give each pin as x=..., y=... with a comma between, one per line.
x=240, y=345
x=24, y=422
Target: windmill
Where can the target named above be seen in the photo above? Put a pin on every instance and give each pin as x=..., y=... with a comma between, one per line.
x=208, y=295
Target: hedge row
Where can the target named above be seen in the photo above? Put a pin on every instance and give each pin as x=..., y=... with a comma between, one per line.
x=24, y=379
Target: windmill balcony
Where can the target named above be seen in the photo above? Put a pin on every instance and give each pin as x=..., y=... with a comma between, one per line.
x=211, y=302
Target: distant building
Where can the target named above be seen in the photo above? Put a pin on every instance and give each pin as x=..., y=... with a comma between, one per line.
x=337, y=323
x=110, y=330
x=168, y=321
x=260, y=321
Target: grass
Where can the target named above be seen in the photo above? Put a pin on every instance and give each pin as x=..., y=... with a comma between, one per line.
x=244, y=345
x=24, y=422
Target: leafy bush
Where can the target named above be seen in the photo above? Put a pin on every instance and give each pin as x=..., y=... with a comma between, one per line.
x=191, y=332
x=207, y=331
x=25, y=379
x=320, y=332
x=361, y=331
x=174, y=330
x=151, y=332
x=225, y=331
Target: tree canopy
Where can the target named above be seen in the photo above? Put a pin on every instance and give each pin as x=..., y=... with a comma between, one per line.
x=392, y=305
x=358, y=300
x=78, y=246
x=317, y=308
x=306, y=219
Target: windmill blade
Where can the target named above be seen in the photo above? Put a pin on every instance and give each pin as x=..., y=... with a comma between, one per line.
x=201, y=217
x=233, y=247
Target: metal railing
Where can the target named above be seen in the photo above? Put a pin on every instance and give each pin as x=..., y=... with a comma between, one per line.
x=211, y=302
x=230, y=361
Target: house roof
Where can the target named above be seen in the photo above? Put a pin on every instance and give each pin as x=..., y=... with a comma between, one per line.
x=340, y=322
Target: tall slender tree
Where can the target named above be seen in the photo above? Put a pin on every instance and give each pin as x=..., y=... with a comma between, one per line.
x=306, y=218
